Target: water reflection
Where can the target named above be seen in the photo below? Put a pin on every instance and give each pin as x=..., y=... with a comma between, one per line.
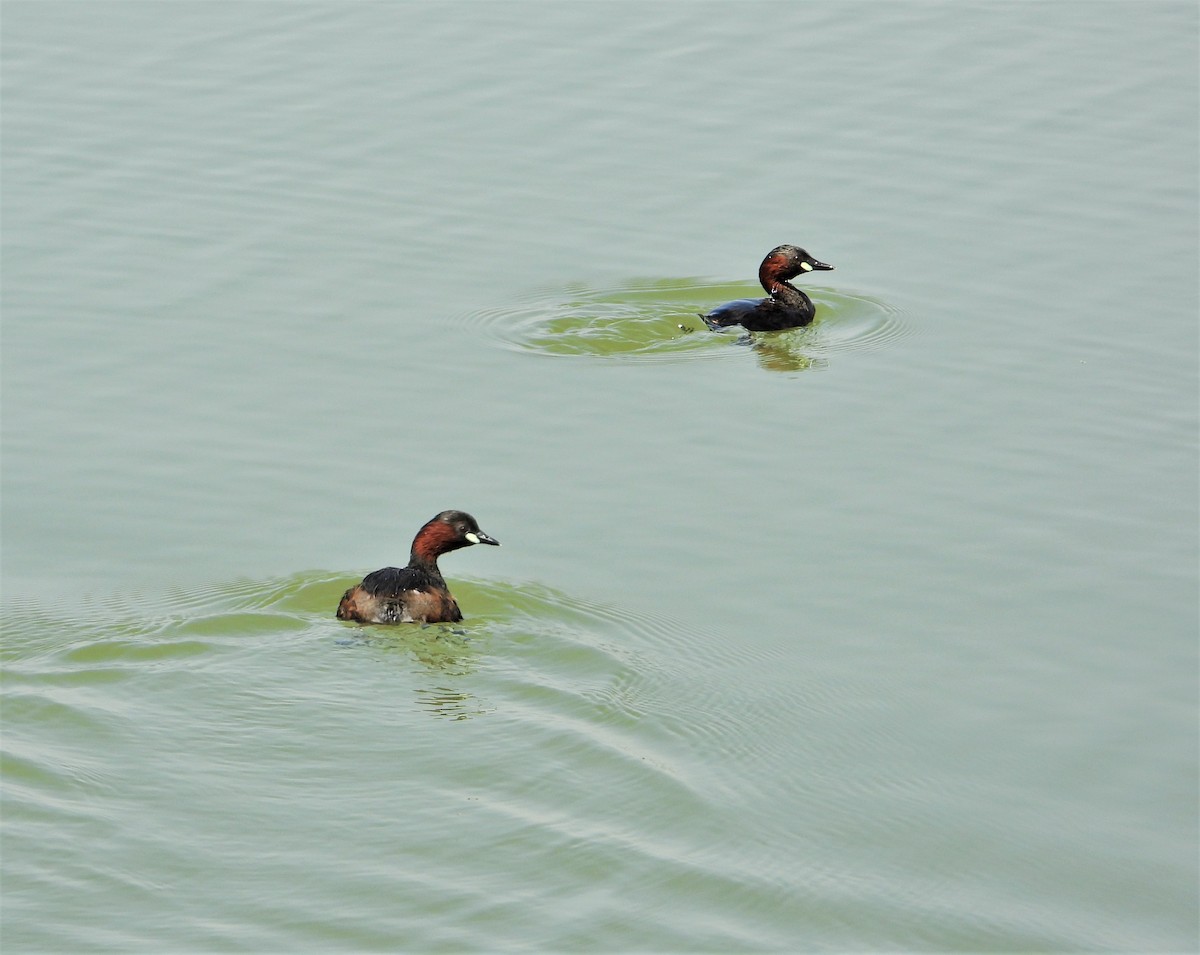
x=435, y=646
x=449, y=704
x=779, y=351
x=443, y=652
x=779, y=354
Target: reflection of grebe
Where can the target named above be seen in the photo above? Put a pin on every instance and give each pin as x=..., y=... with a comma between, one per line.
x=787, y=306
x=416, y=593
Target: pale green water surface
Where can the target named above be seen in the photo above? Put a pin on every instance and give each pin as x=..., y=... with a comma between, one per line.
x=879, y=635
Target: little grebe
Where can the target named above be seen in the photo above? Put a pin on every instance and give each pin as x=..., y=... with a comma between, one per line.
x=787, y=306
x=416, y=593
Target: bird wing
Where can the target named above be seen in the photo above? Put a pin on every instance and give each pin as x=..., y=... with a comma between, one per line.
x=392, y=581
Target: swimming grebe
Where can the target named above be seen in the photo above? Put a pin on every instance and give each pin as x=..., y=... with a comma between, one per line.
x=787, y=306
x=416, y=593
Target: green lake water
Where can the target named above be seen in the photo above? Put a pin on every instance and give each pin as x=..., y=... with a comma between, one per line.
x=879, y=635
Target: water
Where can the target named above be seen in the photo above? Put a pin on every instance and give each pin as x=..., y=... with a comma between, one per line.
x=877, y=635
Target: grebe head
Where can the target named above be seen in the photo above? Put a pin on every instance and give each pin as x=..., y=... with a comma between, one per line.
x=449, y=531
x=786, y=262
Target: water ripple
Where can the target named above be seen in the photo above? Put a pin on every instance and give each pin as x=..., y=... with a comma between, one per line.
x=658, y=320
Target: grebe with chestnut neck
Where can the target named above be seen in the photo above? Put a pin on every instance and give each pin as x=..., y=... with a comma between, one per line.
x=785, y=307
x=416, y=593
